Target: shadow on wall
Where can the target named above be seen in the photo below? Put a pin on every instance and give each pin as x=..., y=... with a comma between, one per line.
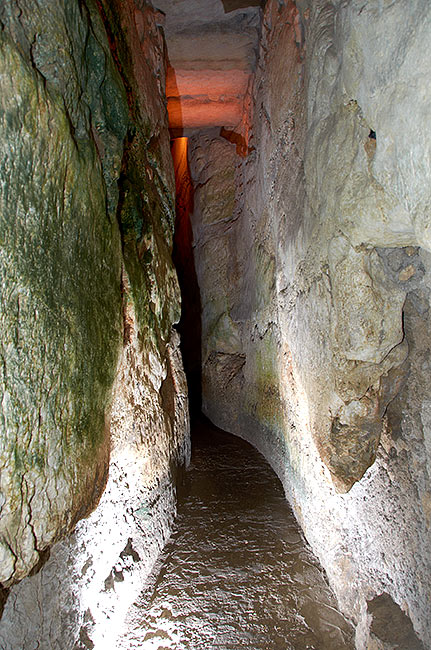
x=390, y=625
x=232, y=5
x=189, y=326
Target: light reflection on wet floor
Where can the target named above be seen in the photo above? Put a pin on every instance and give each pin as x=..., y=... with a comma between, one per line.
x=236, y=572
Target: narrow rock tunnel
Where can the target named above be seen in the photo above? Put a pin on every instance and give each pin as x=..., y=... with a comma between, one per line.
x=270, y=161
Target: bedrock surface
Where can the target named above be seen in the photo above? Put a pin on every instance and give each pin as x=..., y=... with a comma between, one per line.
x=212, y=53
x=93, y=390
x=314, y=268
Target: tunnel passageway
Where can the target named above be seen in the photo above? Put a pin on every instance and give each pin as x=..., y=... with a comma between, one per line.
x=295, y=221
x=236, y=572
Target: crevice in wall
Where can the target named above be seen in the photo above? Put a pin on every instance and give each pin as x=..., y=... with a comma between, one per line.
x=4, y=593
x=189, y=325
x=391, y=625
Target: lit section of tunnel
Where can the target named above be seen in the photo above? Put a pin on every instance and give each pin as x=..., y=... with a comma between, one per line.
x=213, y=99
x=298, y=132
x=212, y=53
x=250, y=240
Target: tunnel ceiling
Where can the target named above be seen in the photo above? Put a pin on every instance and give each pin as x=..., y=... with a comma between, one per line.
x=212, y=51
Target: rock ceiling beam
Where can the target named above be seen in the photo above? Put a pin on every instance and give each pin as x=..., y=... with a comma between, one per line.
x=212, y=52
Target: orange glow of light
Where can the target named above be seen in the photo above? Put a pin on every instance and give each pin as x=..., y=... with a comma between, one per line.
x=203, y=114
x=213, y=84
x=184, y=194
x=183, y=258
x=179, y=149
x=205, y=98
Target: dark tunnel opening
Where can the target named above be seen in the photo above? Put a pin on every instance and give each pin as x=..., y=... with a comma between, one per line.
x=189, y=325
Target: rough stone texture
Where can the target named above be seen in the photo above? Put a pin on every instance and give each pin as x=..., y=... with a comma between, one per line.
x=213, y=161
x=189, y=325
x=316, y=319
x=92, y=578
x=60, y=257
x=87, y=217
x=212, y=52
x=399, y=634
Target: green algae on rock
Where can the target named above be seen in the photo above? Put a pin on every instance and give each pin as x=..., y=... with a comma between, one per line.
x=86, y=188
x=60, y=317
x=91, y=371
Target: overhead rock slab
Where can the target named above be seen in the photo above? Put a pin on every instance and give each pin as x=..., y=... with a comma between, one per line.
x=212, y=51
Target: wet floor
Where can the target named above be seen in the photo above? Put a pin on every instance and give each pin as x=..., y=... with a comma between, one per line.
x=236, y=572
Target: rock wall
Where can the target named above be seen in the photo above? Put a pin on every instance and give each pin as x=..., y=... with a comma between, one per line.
x=189, y=326
x=92, y=379
x=313, y=259
x=61, y=269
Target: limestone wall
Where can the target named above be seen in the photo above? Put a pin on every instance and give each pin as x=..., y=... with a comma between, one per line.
x=316, y=332
x=91, y=376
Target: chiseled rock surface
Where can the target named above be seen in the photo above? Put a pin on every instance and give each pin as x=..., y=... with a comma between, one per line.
x=91, y=579
x=91, y=368
x=61, y=270
x=212, y=52
x=319, y=353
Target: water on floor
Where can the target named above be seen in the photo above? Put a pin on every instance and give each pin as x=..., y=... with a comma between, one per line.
x=236, y=572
